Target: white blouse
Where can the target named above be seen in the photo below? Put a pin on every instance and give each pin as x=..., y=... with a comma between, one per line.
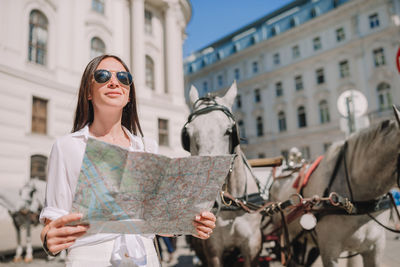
x=64, y=167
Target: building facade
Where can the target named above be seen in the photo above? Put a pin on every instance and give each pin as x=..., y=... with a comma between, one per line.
x=44, y=48
x=293, y=64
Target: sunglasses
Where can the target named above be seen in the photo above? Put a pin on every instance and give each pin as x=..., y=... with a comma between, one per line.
x=103, y=76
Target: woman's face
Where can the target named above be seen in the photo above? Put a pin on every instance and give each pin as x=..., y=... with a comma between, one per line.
x=112, y=93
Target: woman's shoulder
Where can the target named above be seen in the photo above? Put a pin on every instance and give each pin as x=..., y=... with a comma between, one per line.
x=71, y=140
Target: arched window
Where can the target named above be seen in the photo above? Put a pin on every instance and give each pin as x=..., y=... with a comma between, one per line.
x=38, y=167
x=97, y=47
x=324, y=112
x=260, y=126
x=150, y=72
x=384, y=96
x=38, y=35
x=282, y=121
x=301, y=117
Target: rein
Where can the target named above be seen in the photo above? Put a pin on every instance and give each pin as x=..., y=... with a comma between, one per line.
x=360, y=207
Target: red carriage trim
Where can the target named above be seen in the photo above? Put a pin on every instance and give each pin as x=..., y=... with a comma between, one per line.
x=307, y=175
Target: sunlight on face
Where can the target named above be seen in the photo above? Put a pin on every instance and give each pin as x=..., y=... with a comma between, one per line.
x=112, y=94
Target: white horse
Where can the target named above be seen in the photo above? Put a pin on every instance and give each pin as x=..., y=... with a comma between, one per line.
x=366, y=169
x=212, y=130
x=24, y=208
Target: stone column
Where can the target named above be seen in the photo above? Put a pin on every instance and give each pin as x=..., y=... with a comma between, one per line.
x=137, y=43
x=173, y=52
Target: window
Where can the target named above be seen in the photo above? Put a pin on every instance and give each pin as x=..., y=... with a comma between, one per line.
x=305, y=152
x=38, y=167
x=273, y=31
x=314, y=12
x=148, y=24
x=379, y=57
x=234, y=49
x=97, y=47
x=344, y=69
x=237, y=74
x=301, y=117
x=384, y=96
x=238, y=101
x=260, y=127
x=295, y=52
x=324, y=112
x=279, y=89
x=340, y=35
x=220, y=80
x=163, y=132
x=261, y=155
x=277, y=59
x=326, y=146
x=205, y=87
x=98, y=6
x=150, y=72
x=292, y=23
x=285, y=154
x=253, y=40
x=242, y=130
x=373, y=21
x=39, y=115
x=320, y=76
x=38, y=36
x=257, y=96
x=317, y=43
x=298, y=81
x=255, y=67
x=282, y=121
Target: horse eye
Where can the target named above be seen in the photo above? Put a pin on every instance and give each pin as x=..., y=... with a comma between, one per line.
x=228, y=131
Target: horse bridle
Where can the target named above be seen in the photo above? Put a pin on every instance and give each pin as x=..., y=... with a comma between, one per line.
x=211, y=105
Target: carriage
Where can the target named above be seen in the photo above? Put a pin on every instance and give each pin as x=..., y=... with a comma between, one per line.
x=339, y=210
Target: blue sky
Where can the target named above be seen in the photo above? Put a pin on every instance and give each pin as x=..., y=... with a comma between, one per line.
x=213, y=19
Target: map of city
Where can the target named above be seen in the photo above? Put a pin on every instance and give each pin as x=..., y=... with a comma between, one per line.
x=120, y=191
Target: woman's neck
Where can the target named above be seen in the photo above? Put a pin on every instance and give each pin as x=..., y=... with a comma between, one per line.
x=109, y=129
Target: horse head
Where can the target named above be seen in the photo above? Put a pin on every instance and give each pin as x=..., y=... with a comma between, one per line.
x=372, y=153
x=207, y=132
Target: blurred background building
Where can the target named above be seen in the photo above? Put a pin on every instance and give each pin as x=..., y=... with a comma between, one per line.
x=44, y=48
x=293, y=64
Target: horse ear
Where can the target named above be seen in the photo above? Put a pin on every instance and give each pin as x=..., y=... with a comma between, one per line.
x=229, y=97
x=396, y=114
x=193, y=95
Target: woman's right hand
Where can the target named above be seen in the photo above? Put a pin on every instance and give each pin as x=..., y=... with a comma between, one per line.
x=61, y=236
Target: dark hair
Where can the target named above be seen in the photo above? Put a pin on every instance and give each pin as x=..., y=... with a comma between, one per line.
x=84, y=108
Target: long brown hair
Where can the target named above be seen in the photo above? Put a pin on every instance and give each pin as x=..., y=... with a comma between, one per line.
x=84, y=109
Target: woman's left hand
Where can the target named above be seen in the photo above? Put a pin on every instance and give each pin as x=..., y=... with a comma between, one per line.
x=204, y=223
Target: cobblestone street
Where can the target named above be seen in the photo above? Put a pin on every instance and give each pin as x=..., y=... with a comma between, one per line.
x=183, y=257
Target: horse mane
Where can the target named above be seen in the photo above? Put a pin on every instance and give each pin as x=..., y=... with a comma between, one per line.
x=372, y=134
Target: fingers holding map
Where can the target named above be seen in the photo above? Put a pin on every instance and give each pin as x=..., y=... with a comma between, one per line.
x=120, y=191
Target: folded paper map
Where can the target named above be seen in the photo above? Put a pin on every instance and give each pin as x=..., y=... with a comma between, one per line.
x=121, y=191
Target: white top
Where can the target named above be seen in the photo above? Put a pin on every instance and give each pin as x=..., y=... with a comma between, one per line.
x=63, y=171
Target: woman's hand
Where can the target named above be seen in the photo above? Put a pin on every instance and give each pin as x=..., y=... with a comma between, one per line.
x=60, y=236
x=205, y=223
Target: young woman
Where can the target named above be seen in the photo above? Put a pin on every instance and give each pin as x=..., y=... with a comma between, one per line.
x=106, y=110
